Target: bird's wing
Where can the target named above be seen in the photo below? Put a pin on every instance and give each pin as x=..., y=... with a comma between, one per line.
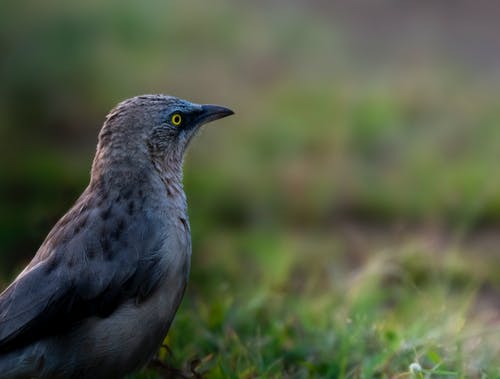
x=73, y=283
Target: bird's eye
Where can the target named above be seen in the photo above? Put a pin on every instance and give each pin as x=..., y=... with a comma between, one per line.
x=176, y=119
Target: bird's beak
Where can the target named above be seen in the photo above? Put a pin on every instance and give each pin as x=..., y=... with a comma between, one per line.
x=211, y=112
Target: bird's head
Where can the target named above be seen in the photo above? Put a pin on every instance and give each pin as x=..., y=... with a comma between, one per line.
x=156, y=127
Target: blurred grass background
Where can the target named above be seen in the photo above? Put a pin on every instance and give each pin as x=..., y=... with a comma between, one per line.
x=346, y=220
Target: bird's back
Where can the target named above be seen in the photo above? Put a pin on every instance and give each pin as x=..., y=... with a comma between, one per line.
x=110, y=274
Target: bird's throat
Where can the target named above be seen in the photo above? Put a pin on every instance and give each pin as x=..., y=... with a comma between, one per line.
x=170, y=173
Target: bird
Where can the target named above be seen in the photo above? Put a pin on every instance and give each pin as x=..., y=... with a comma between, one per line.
x=100, y=294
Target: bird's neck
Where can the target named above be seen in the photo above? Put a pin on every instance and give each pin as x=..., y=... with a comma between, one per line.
x=116, y=164
x=169, y=170
x=116, y=168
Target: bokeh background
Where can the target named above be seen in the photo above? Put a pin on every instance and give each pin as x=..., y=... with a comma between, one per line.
x=346, y=221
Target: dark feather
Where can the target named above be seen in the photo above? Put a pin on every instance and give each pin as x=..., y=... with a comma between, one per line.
x=48, y=298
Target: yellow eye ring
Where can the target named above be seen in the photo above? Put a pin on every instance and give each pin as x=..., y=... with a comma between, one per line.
x=176, y=119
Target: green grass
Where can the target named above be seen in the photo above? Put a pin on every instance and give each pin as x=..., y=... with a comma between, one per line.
x=265, y=307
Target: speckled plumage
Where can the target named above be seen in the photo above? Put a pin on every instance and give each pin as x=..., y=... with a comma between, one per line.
x=100, y=294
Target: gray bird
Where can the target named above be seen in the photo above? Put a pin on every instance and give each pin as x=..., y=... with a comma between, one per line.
x=100, y=294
